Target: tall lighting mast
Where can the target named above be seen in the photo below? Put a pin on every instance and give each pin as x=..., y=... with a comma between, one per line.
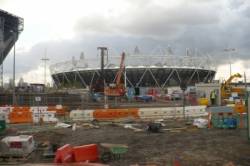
x=230, y=62
x=45, y=59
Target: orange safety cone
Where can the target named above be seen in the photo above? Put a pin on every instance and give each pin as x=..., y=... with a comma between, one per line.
x=209, y=120
x=241, y=121
x=176, y=162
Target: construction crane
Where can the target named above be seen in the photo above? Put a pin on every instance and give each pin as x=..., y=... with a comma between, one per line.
x=117, y=88
x=227, y=88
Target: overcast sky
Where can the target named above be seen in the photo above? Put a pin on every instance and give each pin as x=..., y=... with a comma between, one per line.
x=65, y=28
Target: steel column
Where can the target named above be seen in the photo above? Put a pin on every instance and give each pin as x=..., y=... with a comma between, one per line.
x=154, y=78
x=169, y=76
x=82, y=80
x=138, y=83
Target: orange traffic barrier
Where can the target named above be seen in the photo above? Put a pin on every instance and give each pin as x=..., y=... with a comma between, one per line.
x=21, y=109
x=20, y=115
x=105, y=114
x=239, y=108
x=86, y=153
x=59, y=111
x=64, y=154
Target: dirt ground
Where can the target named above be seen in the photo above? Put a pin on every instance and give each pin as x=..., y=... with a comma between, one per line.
x=189, y=146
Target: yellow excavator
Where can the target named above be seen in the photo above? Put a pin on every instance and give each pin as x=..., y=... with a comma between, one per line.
x=227, y=89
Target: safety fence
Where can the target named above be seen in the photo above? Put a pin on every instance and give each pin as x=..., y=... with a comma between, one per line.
x=138, y=113
x=36, y=114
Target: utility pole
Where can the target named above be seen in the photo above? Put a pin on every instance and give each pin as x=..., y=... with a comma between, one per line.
x=103, y=51
x=45, y=59
x=1, y=48
x=14, y=72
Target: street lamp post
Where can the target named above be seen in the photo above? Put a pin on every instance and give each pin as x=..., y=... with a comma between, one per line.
x=230, y=63
x=183, y=86
x=14, y=76
x=14, y=69
x=45, y=59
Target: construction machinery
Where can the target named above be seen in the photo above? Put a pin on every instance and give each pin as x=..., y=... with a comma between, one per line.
x=117, y=88
x=227, y=89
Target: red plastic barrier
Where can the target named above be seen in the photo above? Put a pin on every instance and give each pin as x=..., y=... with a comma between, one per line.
x=86, y=153
x=64, y=154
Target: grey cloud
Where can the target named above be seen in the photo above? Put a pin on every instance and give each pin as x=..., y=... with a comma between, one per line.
x=147, y=25
x=235, y=4
x=246, y=12
x=152, y=20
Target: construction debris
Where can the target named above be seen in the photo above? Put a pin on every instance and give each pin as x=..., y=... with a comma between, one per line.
x=130, y=126
x=172, y=129
x=153, y=127
x=49, y=152
x=112, y=151
x=200, y=123
x=17, y=146
x=62, y=125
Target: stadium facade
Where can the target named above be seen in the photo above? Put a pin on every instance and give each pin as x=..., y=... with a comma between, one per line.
x=140, y=70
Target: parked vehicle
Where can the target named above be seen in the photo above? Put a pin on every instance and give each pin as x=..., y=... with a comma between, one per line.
x=176, y=95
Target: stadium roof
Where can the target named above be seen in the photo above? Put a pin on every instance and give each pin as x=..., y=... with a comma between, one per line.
x=10, y=28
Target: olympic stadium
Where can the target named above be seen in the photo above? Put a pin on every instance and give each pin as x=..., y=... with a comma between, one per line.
x=141, y=70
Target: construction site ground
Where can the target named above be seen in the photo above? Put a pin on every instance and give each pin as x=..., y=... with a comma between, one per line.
x=185, y=143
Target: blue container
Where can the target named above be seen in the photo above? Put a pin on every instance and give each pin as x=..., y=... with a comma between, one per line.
x=225, y=123
x=234, y=123
x=221, y=122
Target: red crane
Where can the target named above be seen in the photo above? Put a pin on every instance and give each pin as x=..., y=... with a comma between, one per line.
x=117, y=88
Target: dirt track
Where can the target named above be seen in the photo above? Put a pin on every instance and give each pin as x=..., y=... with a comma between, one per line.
x=191, y=146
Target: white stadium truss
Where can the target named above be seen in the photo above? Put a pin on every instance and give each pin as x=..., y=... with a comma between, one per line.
x=140, y=70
